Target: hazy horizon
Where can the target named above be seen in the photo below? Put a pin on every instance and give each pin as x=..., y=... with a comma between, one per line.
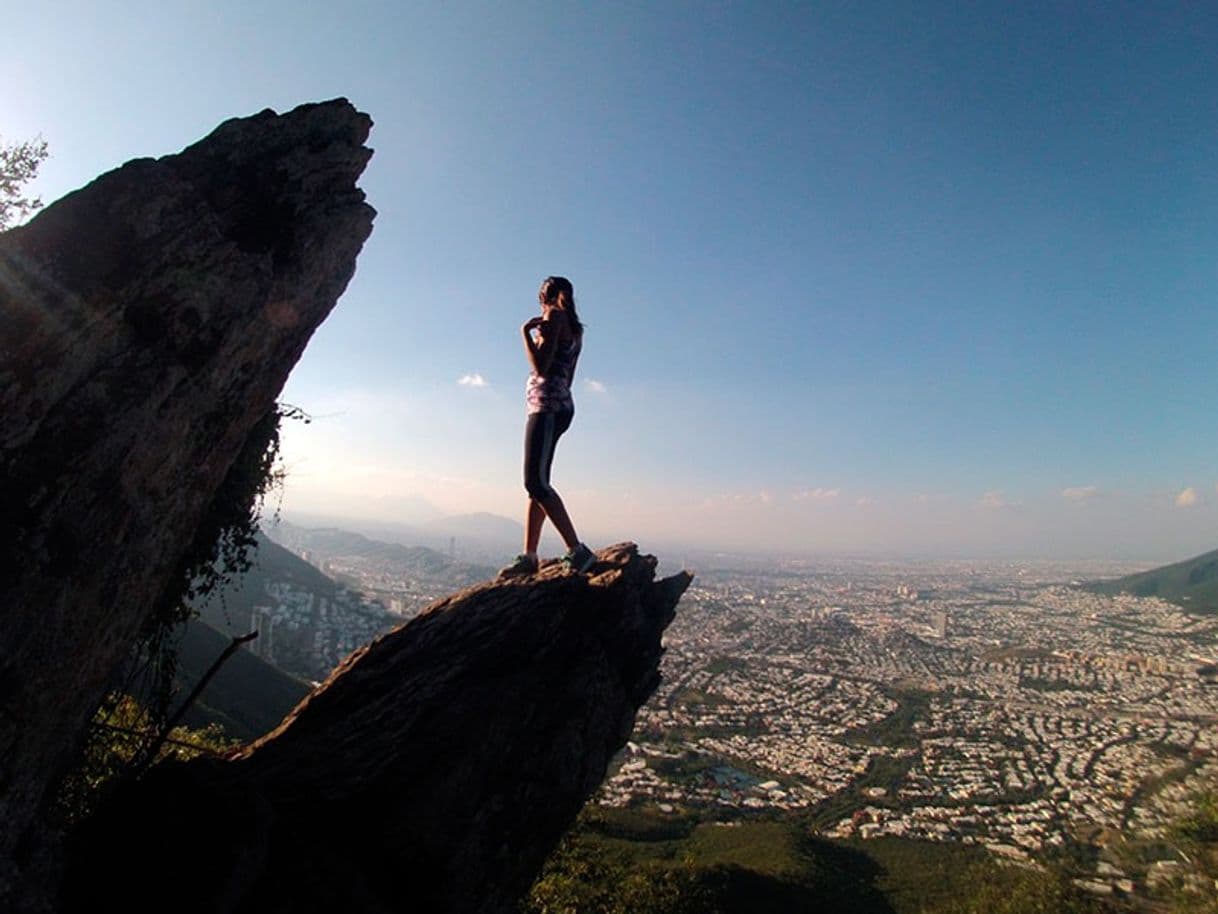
x=860, y=279
x=435, y=534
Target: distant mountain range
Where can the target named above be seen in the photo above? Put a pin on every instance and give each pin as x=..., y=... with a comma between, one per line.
x=481, y=525
x=1191, y=584
x=420, y=562
x=480, y=537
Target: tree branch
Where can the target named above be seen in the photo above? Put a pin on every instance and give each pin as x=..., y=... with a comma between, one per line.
x=148, y=756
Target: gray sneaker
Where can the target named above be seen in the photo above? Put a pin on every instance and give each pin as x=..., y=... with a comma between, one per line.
x=522, y=565
x=579, y=559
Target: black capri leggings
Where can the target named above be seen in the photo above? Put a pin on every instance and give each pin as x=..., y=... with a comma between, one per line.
x=541, y=433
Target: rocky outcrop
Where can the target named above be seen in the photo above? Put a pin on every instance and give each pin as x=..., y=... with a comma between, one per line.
x=147, y=322
x=433, y=771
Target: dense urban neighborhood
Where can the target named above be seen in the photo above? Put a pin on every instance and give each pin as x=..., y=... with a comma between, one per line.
x=1002, y=705
x=978, y=705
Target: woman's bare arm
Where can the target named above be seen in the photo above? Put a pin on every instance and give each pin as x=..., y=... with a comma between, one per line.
x=540, y=351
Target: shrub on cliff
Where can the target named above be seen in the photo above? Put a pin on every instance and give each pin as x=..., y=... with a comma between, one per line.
x=19, y=163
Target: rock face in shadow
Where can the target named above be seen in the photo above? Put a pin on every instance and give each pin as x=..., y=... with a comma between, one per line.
x=147, y=322
x=433, y=771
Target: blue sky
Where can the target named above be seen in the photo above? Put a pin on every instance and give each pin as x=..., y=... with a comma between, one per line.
x=857, y=277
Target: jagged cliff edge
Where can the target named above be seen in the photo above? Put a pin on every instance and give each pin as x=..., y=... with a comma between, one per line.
x=433, y=771
x=148, y=321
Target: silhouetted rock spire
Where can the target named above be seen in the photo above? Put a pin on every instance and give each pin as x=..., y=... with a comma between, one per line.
x=147, y=322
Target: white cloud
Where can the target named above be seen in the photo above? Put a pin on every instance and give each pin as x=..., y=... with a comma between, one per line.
x=864, y=500
x=762, y=497
x=1079, y=493
x=472, y=380
x=596, y=387
x=1187, y=498
x=994, y=499
x=818, y=493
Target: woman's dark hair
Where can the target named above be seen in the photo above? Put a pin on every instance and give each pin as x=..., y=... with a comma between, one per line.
x=559, y=287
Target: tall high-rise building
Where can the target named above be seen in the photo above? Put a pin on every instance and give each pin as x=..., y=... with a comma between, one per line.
x=939, y=621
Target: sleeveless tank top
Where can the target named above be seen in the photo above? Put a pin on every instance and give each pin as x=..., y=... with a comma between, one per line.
x=551, y=393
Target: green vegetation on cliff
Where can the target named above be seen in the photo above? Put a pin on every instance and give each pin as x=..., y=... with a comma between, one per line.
x=19, y=163
x=120, y=730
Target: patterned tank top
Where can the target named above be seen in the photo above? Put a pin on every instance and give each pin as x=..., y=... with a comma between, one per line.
x=552, y=393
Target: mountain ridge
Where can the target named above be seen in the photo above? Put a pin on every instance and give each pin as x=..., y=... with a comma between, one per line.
x=334, y=538
x=1191, y=584
x=479, y=537
x=247, y=697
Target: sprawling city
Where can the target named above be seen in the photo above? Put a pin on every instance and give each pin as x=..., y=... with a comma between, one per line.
x=990, y=703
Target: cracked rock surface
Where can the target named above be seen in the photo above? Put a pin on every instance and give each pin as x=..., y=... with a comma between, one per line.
x=147, y=322
x=434, y=770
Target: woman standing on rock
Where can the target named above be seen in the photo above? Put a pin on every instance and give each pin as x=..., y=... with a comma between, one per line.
x=552, y=343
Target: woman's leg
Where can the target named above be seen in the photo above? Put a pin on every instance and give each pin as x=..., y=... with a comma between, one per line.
x=542, y=431
x=539, y=436
x=534, y=517
x=557, y=512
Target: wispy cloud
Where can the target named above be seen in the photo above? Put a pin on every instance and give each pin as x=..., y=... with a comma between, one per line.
x=994, y=499
x=596, y=387
x=864, y=500
x=472, y=380
x=818, y=493
x=762, y=497
x=1187, y=498
x=1079, y=493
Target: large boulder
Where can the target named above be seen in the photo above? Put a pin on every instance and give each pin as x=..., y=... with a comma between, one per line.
x=433, y=771
x=147, y=322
